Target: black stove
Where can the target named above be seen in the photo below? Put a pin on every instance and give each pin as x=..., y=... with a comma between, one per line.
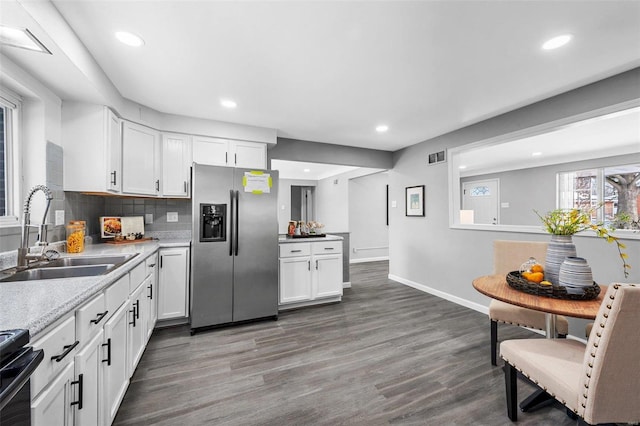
x=17, y=363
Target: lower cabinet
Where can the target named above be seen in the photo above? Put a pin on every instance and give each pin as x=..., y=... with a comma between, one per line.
x=115, y=366
x=87, y=387
x=52, y=407
x=173, y=283
x=310, y=272
x=152, y=293
x=137, y=325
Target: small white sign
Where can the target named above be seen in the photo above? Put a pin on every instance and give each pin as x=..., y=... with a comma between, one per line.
x=257, y=182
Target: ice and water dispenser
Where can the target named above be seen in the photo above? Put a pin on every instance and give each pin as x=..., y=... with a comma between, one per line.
x=213, y=221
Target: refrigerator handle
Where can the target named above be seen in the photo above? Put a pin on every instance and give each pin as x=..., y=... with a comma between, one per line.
x=231, y=193
x=236, y=223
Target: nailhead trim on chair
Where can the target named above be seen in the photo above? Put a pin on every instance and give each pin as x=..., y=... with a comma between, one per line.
x=515, y=323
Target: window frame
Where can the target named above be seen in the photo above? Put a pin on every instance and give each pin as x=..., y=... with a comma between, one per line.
x=13, y=108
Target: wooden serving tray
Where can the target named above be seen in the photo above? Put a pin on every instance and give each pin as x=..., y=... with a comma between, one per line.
x=140, y=240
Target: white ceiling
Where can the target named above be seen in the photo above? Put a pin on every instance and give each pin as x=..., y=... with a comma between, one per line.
x=331, y=71
x=307, y=171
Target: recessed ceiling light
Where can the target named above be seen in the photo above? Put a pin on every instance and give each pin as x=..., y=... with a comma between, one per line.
x=382, y=128
x=307, y=170
x=536, y=154
x=228, y=103
x=129, y=39
x=556, y=42
x=22, y=38
x=462, y=167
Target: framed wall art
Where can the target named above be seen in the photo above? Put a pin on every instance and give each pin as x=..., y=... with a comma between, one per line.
x=414, y=200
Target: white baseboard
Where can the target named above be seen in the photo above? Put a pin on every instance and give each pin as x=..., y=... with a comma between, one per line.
x=441, y=294
x=346, y=284
x=369, y=259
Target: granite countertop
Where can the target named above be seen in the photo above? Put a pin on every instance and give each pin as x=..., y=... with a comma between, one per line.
x=286, y=239
x=34, y=305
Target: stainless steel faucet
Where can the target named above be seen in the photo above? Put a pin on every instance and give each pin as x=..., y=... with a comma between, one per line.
x=23, y=251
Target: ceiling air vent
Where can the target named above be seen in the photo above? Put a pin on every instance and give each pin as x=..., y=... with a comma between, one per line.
x=437, y=157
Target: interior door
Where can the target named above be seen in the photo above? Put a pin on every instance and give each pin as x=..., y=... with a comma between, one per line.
x=483, y=198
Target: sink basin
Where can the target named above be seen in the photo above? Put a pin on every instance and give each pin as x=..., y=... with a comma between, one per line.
x=68, y=267
x=60, y=272
x=117, y=259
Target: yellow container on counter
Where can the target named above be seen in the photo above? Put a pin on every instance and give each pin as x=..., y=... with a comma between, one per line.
x=75, y=236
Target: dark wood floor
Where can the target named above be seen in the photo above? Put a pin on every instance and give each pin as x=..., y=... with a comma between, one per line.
x=388, y=354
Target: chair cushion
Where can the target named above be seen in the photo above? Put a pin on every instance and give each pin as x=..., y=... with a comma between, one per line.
x=511, y=314
x=554, y=364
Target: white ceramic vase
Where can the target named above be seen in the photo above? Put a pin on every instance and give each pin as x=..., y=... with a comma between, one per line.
x=560, y=247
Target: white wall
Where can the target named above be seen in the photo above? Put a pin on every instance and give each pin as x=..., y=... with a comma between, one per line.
x=368, y=216
x=425, y=252
x=284, y=200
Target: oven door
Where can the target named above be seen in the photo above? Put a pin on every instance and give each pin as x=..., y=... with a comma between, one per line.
x=15, y=389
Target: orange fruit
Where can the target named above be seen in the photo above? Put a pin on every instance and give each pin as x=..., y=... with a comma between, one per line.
x=536, y=277
x=526, y=275
x=537, y=268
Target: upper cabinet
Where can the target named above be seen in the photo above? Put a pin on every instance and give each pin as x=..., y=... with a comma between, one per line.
x=230, y=153
x=92, y=153
x=176, y=165
x=140, y=159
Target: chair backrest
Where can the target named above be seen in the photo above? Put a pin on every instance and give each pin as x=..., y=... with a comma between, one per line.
x=610, y=383
x=509, y=255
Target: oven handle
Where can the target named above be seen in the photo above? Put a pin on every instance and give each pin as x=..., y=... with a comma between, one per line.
x=31, y=360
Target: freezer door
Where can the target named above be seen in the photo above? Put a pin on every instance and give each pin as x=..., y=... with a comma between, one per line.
x=211, y=261
x=256, y=263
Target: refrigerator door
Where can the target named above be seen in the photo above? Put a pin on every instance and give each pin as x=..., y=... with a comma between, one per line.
x=211, y=259
x=256, y=264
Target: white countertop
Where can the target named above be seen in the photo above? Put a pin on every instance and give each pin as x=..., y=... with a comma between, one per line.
x=285, y=239
x=34, y=305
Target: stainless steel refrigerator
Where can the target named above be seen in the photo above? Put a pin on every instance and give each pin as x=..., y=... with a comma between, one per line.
x=234, y=256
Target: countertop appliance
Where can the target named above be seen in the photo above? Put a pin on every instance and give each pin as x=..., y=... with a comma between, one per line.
x=234, y=255
x=17, y=363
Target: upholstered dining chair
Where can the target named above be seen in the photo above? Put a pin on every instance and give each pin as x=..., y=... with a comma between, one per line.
x=507, y=257
x=600, y=381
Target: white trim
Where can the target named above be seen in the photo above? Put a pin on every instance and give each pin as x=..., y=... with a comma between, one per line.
x=368, y=259
x=441, y=294
x=346, y=284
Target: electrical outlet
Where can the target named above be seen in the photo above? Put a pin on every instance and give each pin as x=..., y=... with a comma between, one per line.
x=148, y=218
x=394, y=204
x=172, y=216
x=59, y=217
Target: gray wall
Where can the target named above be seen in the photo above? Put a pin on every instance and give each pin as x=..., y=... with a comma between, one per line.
x=368, y=216
x=314, y=152
x=424, y=251
x=284, y=201
x=535, y=188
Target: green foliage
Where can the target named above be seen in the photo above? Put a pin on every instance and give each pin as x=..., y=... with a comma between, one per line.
x=572, y=221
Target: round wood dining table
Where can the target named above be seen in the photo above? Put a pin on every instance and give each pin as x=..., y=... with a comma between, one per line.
x=496, y=287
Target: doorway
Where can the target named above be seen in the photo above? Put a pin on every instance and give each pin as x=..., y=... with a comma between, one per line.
x=483, y=198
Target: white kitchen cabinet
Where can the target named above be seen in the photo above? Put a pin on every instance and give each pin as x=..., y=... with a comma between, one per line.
x=230, y=153
x=137, y=333
x=92, y=148
x=115, y=369
x=310, y=272
x=140, y=159
x=152, y=292
x=52, y=407
x=176, y=165
x=86, y=394
x=173, y=283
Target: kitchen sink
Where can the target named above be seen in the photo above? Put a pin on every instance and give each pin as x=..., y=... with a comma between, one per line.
x=68, y=267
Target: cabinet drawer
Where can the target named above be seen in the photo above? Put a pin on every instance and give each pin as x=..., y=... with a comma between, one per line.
x=326, y=247
x=295, y=249
x=89, y=318
x=59, y=350
x=137, y=275
x=151, y=263
x=116, y=295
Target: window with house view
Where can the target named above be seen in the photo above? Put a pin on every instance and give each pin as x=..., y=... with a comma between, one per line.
x=612, y=192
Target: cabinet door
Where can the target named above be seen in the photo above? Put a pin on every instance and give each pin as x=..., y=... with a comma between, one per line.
x=210, y=151
x=176, y=163
x=328, y=274
x=52, y=407
x=114, y=151
x=140, y=159
x=115, y=372
x=172, y=283
x=295, y=279
x=250, y=155
x=152, y=293
x=137, y=327
x=88, y=371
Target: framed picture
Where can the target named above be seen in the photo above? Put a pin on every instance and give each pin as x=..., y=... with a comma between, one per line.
x=414, y=200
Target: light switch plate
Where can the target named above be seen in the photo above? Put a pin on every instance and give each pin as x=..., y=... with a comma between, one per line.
x=172, y=216
x=148, y=218
x=394, y=204
x=59, y=217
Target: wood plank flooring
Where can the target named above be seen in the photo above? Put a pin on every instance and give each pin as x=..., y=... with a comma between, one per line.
x=388, y=354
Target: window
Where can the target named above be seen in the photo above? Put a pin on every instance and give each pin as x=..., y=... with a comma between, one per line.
x=614, y=192
x=9, y=114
